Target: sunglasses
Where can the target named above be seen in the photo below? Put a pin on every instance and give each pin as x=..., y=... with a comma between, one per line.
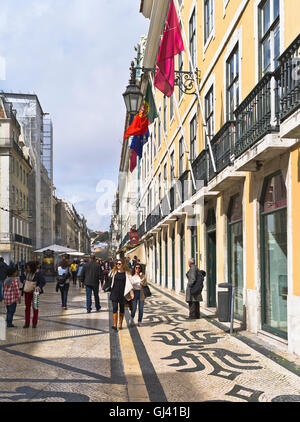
x=137, y=268
x=119, y=263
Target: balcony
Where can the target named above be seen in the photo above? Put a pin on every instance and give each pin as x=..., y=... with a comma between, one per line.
x=289, y=81
x=257, y=115
x=21, y=239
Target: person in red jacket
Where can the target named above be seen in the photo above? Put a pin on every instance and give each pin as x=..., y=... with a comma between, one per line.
x=12, y=295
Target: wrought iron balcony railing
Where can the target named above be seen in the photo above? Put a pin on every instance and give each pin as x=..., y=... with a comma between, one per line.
x=289, y=79
x=257, y=115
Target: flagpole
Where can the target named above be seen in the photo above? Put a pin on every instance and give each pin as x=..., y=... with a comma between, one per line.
x=197, y=88
x=185, y=144
x=167, y=146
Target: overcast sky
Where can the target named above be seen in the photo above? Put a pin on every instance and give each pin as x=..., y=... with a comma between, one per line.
x=75, y=56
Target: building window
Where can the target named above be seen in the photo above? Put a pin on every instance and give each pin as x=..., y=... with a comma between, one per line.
x=159, y=187
x=172, y=168
x=165, y=177
x=180, y=68
x=269, y=36
x=194, y=240
x=235, y=256
x=13, y=195
x=209, y=113
x=159, y=130
x=192, y=37
x=171, y=107
x=181, y=157
x=154, y=143
x=165, y=114
x=193, y=137
x=232, y=83
x=208, y=19
x=274, y=255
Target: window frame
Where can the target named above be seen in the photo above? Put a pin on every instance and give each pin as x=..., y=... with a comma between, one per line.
x=235, y=83
x=269, y=34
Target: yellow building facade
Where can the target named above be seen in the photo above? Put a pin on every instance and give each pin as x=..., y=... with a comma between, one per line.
x=240, y=220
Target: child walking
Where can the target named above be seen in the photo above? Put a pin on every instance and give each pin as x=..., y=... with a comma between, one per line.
x=12, y=295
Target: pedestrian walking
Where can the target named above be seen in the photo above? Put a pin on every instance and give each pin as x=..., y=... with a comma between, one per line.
x=90, y=276
x=80, y=268
x=35, y=282
x=74, y=269
x=194, y=289
x=12, y=295
x=106, y=272
x=63, y=282
x=101, y=272
x=139, y=282
x=3, y=275
x=121, y=292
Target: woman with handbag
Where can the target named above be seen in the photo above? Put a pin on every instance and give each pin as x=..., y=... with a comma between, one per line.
x=63, y=282
x=34, y=282
x=139, y=283
x=121, y=291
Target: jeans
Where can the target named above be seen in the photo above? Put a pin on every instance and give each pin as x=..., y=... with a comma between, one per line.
x=136, y=301
x=74, y=276
x=64, y=294
x=1, y=289
x=11, y=309
x=89, y=290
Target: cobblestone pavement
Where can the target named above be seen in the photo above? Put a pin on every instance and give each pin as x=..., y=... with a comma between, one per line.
x=73, y=356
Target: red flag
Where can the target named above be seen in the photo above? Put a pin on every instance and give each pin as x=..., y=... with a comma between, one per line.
x=139, y=126
x=172, y=44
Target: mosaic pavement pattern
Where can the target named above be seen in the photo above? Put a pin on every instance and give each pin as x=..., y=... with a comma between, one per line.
x=73, y=356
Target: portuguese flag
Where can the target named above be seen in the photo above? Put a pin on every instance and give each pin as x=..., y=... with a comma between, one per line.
x=145, y=117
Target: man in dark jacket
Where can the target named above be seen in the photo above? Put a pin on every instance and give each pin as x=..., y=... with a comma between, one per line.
x=90, y=276
x=193, y=300
x=3, y=275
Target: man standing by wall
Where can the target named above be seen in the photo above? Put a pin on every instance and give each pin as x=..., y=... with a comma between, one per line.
x=90, y=276
x=193, y=299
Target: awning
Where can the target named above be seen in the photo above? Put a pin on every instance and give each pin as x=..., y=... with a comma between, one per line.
x=76, y=254
x=139, y=251
x=56, y=248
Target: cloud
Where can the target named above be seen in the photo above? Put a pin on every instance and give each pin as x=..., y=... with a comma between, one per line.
x=75, y=55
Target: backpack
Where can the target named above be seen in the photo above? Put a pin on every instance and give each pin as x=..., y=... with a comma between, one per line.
x=198, y=285
x=61, y=279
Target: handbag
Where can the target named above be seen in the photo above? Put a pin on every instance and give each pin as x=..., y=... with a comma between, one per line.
x=30, y=286
x=147, y=291
x=107, y=285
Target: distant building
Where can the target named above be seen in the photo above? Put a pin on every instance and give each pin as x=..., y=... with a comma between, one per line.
x=15, y=170
x=37, y=132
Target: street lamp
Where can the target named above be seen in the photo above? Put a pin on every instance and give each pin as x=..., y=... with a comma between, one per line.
x=133, y=97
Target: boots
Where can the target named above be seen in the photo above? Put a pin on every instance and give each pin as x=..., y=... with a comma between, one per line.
x=121, y=317
x=115, y=322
